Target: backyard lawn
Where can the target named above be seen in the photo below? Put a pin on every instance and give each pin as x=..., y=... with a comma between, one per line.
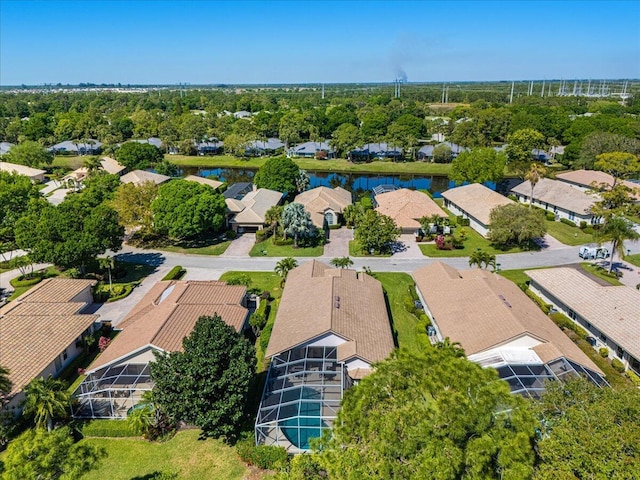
x=409, y=332
x=567, y=234
x=268, y=249
x=185, y=455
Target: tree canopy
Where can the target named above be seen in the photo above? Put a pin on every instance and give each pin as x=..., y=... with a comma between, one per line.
x=375, y=232
x=297, y=223
x=520, y=149
x=431, y=414
x=279, y=174
x=619, y=165
x=206, y=384
x=184, y=209
x=515, y=224
x=29, y=153
x=133, y=204
x=138, y=156
x=479, y=165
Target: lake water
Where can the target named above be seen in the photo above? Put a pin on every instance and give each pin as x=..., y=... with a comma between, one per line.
x=354, y=182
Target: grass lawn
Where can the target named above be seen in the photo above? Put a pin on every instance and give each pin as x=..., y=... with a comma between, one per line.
x=518, y=276
x=600, y=272
x=567, y=234
x=264, y=281
x=184, y=454
x=267, y=249
x=71, y=163
x=632, y=259
x=337, y=165
x=355, y=250
x=213, y=249
x=409, y=333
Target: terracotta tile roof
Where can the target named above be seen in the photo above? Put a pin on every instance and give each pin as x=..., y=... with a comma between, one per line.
x=318, y=200
x=407, y=207
x=204, y=181
x=255, y=203
x=594, y=179
x=168, y=313
x=32, y=335
x=615, y=311
x=112, y=166
x=21, y=169
x=559, y=194
x=319, y=300
x=138, y=177
x=477, y=200
x=482, y=310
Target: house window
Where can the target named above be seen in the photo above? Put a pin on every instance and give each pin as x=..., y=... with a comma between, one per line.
x=58, y=363
x=64, y=354
x=572, y=315
x=572, y=216
x=603, y=337
x=329, y=217
x=635, y=364
x=620, y=352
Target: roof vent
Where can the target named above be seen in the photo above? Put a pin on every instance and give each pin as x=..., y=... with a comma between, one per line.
x=504, y=300
x=336, y=301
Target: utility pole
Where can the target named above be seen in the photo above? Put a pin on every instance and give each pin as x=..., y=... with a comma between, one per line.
x=511, y=96
x=442, y=93
x=323, y=91
x=542, y=91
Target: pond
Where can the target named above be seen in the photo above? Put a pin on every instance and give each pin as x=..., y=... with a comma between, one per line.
x=358, y=183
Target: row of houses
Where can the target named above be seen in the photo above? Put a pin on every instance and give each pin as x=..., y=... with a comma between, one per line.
x=330, y=330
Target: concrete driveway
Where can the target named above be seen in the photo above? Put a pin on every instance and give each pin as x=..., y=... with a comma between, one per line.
x=338, y=243
x=407, y=247
x=241, y=246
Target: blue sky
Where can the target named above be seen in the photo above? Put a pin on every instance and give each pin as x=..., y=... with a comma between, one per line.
x=204, y=42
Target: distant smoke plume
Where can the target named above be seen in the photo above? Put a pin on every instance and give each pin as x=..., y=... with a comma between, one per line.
x=401, y=74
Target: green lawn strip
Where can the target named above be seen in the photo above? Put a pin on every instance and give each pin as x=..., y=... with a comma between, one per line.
x=601, y=273
x=184, y=454
x=355, y=250
x=518, y=276
x=64, y=161
x=410, y=333
x=214, y=249
x=268, y=249
x=337, y=165
x=567, y=234
x=633, y=259
x=263, y=281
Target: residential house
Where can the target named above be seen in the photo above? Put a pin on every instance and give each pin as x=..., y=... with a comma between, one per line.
x=41, y=331
x=118, y=378
x=590, y=180
x=247, y=213
x=331, y=327
x=112, y=166
x=210, y=146
x=215, y=184
x=498, y=326
x=406, y=208
x=475, y=202
x=426, y=152
x=320, y=150
x=610, y=314
x=377, y=151
x=138, y=177
x=242, y=114
x=325, y=205
x=5, y=147
x=155, y=141
x=261, y=148
x=77, y=147
x=107, y=164
x=560, y=198
x=35, y=174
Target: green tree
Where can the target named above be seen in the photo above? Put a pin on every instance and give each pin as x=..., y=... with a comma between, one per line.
x=148, y=418
x=616, y=230
x=597, y=143
x=98, y=187
x=29, y=153
x=341, y=262
x=344, y=139
x=533, y=176
x=376, y=232
x=38, y=454
x=235, y=144
x=296, y=222
x=206, y=384
x=184, y=209
x=481, y=259
x=515, y=224
x=44, y=400
x=273, y=217
x=520, y=149
x=619, y=165
x=167, y=168
x=588, y=432
x=138, y=156
x=107, y=263
x=479, y=165
x=133, y=204
x=442, y=153
x=431, y=414
x=5, y=384
x=280, y=174
x=284, y=266
x=92, y=164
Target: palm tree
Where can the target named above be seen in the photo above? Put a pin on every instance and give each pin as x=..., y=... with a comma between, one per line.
x=284, y=266
x=535, y=173
x=342, y=262
x=482, y=259
x=44, y=400
x=273, y=217
x=142, y=418
x=92, y=164
x=616, y=230
x=108, y=263
x=5, y=383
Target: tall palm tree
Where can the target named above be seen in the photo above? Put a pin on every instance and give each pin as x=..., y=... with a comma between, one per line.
x=5, y=383
x=273, y=217
x=341, y=262
x=535, y=173
x=45, y=399
x=284, y=266
x=616, y=230
x=92, y=164
x=108, y=263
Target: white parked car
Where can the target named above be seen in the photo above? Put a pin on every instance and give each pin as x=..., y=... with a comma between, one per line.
x=589, y=252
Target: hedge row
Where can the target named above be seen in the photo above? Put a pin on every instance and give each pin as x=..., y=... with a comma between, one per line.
x=566, y=221
x=27, y=282
x=545, y=307
x=175, y=273
x=127, y=288
x=562, y=321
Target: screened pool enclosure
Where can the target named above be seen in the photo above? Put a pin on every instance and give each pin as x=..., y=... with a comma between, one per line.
x=301, y=397
x=111, y=392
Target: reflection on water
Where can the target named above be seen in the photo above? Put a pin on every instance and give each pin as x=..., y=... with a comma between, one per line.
x=359, y=184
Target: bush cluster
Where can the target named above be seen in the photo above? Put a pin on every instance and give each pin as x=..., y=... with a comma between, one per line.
x=267, y=457
x=462, y=221
x=604, y=352
x=175, y=273
x=263, y=234
x=617, y=365
x=21, y=281
x=562, y=321
x=566, y=221
x=545, y=307
x=550, y=216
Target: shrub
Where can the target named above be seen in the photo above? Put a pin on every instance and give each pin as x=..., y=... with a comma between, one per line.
x=25, y=282
x=265, y=336
x=262, y=235
x=545, y=307
x=267, y=457
x=240, y=279
x=583, y=225
x=282, y=242
x=413, y=293
x=230, y=234
x=462, y=221
x=633, y=377
x=589, y=230
x=604, y=352
x=443, y=243
x=335, y=226
x=562, y=321
x=175, y=273
x=513, y=197
x=566, y=221
x=103, y=343
x=550, y=216
x=122, y=291
x=617, y=365
x=366, y=203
